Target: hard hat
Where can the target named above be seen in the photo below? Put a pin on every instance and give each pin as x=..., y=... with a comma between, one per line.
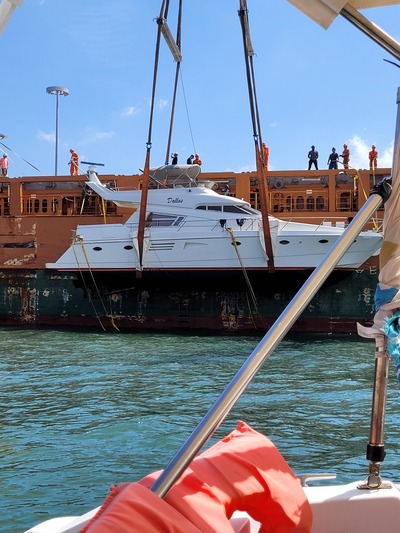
x=4, y=155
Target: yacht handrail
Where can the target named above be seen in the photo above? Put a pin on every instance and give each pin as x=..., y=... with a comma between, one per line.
x=323, y=223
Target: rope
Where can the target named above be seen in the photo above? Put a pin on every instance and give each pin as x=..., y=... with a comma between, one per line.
x=109, y=316
x=187, y=113
x=171, y=124
x=26, y=161
x=374, y=220
x=246, y=277
x=86, y=287
x=103, y=207
x=364, y=192
x=251, y=313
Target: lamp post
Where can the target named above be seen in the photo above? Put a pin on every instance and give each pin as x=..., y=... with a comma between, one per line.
x=58, y=91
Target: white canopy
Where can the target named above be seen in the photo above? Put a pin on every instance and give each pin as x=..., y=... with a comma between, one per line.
x=324, y=13
x=6, y=10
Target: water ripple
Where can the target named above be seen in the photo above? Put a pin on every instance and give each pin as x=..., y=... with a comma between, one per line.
x=81, y=410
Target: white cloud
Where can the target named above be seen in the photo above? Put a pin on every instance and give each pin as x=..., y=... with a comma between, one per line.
x=247, y=168
x=359, y=149
x=47, y=137
x=130, y=111
x=161, y=104
x=93, y=135
x=386, y=157
x=104, y=135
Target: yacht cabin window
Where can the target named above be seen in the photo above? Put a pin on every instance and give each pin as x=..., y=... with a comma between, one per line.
x=239, y=209
x=161, y=220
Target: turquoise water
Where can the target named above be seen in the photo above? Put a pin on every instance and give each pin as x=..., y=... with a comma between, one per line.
x=80, y=411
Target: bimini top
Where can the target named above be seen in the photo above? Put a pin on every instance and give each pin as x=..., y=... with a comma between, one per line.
x=324, y=12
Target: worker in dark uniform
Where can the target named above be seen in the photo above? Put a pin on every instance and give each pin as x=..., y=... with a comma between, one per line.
x=313, y=158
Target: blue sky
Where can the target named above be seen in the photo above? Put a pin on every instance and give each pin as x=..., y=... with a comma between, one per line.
x=314, y=86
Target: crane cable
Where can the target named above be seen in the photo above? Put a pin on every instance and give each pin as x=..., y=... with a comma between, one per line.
x=175, y=50
x=146, y=169
x=178, y=59
x=187, y=113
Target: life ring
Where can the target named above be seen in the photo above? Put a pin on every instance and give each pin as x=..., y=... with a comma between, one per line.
x=279, y=183
x=244, y=471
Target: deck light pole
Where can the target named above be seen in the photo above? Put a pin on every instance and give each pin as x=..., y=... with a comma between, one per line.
x=58, y=91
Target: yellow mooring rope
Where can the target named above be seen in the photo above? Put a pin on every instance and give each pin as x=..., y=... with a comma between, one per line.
x=246, y=277
x=366, y=196
x=109, y=316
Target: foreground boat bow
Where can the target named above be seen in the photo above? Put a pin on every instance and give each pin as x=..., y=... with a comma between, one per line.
x=120, y=508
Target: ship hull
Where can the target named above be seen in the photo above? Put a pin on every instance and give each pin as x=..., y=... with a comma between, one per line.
x=207, y=302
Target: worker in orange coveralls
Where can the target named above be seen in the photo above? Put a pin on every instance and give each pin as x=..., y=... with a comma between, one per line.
x=346, y=156
x=197, y=160
x=373, y=158
x=266, y=155
x=73, y=163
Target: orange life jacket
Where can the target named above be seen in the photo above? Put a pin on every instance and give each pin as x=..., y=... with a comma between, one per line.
x=244, y=471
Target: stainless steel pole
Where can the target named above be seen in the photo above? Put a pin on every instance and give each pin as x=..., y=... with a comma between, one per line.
x=57, y=91
x=56, y=153
x=376, y=447
x=371, y=30
x=263, y=350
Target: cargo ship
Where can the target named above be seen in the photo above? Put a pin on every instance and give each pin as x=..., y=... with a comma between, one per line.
x=40, y=218
x=73, y=255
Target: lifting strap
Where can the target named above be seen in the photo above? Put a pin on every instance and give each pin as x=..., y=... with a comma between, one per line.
x=163, y=29
x=255, y=117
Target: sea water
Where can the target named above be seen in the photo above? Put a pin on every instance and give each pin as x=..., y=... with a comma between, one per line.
x=81, y=411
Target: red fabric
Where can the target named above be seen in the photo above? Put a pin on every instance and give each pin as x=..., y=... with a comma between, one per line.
x=132, y=508
x=244, y=471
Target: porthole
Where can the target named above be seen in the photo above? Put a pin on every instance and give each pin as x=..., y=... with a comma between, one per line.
x=97, y=248
x=238, y=243
x=323, y=241
x=128, y=247
x=284, y=242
